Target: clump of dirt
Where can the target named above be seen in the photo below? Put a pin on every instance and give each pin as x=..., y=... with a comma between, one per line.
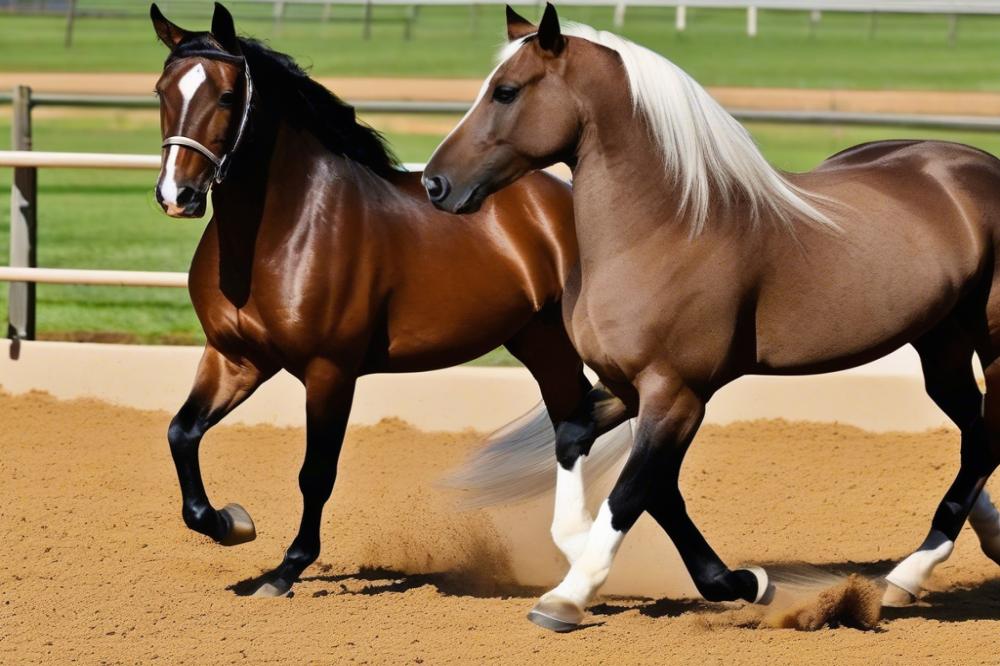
x=856, y=603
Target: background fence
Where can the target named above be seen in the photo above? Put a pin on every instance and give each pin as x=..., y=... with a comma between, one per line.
x=363, y=11
x=23, y=272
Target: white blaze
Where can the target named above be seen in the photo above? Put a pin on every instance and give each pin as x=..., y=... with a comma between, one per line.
x=188, y=85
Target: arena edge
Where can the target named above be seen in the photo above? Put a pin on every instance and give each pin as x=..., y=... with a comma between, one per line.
x=886, y=395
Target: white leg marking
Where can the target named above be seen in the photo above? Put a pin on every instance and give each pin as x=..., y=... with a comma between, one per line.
x=985, y=520
x=913, y=572
x=571, y=522
x=591, y=569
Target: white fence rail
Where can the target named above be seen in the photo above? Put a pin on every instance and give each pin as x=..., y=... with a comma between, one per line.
x=54, y=160
x=93, y=277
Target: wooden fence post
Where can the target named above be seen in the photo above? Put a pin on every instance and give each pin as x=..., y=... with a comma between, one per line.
x=366, y=29
x=619, y=16
x=23, y=223
x=279, y=15
x=70, y=20
x=410, y=21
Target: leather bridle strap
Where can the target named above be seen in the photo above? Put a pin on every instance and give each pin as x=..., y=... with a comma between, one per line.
x=221, y=163
x=191, y=143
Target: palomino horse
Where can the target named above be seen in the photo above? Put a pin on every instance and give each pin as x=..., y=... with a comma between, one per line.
x=700, y=263
x=324, y=259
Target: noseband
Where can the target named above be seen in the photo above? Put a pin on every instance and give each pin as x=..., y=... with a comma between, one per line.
x=221, y=162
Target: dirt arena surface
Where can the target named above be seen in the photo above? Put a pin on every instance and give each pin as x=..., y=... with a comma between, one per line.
x=97, y=566
x=465, y=90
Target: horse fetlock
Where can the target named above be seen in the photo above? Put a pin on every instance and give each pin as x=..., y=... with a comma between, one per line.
x=985, y=521
x=729, y=585
x=202, y=518
x=911, y=574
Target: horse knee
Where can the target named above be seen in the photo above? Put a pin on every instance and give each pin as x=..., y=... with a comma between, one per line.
x=185, y=432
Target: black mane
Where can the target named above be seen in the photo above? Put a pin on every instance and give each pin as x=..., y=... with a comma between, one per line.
x=301, y=101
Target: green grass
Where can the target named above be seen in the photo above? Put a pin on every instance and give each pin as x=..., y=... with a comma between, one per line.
x=108, y=219
x=906, y=52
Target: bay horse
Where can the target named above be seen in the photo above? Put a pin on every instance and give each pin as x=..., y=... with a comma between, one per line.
x=699, y=263
x=324, y=258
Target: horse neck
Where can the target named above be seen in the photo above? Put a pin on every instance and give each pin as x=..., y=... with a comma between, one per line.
x=621, y=193
x=275, y=164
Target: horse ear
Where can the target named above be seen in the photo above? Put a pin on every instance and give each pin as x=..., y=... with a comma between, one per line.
x=518, y=26
x=224, y=30
x=169, y=33
x=549, y=34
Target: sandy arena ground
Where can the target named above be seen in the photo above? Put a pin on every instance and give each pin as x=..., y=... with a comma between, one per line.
x=97, y=566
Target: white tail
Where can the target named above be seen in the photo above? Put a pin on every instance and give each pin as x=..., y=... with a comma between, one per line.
x=518, y=461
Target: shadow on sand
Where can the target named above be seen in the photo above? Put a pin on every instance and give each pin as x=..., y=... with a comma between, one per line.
x=380, y=580
x=961, y=604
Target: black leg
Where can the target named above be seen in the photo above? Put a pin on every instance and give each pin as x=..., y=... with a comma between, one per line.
x=714, y=580
x=220, y=386
x=946, y=360
x=328, y=405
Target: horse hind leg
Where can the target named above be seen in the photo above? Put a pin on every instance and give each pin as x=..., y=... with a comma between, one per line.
x=946, y=359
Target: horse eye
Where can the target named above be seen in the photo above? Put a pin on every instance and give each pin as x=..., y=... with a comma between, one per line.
x=505, y=94
x=226, y=99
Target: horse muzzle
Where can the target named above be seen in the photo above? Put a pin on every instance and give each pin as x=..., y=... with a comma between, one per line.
x=188, y=203
x=450, y=199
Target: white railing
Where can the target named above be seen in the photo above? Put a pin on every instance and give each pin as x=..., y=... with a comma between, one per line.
x=953, y=8
x=51, y=160
x=93, y=277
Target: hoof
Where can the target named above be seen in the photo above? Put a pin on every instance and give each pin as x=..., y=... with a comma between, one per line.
x=241, y=529
x=896, y=597
x=556, y=614
x=276, y=588
x=765, y=590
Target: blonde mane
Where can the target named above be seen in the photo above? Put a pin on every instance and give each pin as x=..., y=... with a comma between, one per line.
x=705, y=150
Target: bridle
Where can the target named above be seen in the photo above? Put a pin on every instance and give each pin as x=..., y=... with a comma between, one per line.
x=222, y=162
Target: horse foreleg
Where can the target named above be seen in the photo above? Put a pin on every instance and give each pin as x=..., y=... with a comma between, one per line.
x=328, y=404
x=669, y=416
x=571, y=520
x=220, y=386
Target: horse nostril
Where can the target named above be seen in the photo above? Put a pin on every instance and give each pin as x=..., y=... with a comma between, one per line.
x=437, y=188
x=185, y=195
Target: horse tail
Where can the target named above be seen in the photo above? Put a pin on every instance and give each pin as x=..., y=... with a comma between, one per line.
x=518, y=461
